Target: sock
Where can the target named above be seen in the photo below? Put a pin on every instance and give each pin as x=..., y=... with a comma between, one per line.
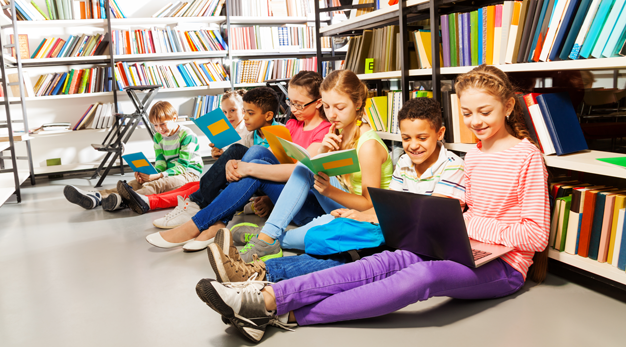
x=144, y=198
x=271, y=244
x=283, y=318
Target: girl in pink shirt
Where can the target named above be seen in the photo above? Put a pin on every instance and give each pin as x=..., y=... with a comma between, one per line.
x=507, y=200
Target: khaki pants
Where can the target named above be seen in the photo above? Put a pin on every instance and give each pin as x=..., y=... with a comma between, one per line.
x=161, y=185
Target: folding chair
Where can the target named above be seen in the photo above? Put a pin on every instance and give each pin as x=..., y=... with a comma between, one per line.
x=283, y=96
x=123, y=128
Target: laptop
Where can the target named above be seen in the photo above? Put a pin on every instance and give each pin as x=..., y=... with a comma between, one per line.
x=430, y=226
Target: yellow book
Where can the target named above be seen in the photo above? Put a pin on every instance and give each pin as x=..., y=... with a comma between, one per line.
x=620, y=203
x=423, y=47
x=491, y=15
x=380, y=104
x=44, y=49
x=368, y=113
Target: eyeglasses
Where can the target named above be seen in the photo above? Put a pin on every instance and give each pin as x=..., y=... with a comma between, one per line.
x=298, y=106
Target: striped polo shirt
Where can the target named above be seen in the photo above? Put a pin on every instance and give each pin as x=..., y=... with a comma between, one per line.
x=507, y=197
x=178, y=153
x=445, y=176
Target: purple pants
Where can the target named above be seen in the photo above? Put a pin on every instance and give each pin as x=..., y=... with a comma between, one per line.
x=386, y=282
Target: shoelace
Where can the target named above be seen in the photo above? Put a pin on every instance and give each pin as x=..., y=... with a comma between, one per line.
x=277, y=323
x=240, y=266
x=178, y=210
x=247, y=247
x=247, y=237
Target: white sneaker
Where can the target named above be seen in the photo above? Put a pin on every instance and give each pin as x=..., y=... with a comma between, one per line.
x=85, y=199
x=179, y=216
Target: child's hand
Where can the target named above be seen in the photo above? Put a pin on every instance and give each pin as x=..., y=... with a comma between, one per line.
x=235, y=170
x=332, y=141
x=149, y=178
x=263, y=206
x=215, y=152
x=138, y=178
x=356, y=215
x=322, y=183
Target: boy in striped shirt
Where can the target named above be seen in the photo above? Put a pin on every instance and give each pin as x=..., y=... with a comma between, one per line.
x=178, y=162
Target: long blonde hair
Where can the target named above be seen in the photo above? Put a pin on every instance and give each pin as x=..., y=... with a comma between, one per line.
x=495, y=82
x=347, y=83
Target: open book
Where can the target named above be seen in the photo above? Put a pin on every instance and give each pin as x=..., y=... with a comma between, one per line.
x=272, y=133
x=139, y=163
x=331, y=163
x=217, y=128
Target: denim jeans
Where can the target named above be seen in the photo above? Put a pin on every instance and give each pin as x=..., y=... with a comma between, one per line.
x=214, y=180
x=236, y=195
x=284, y=268
x=300, y=188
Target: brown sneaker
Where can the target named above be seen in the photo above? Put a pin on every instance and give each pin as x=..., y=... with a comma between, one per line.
x=229, y=270
x=224, y=239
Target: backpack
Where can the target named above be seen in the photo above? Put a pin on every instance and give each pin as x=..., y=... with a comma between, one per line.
x=343, y=235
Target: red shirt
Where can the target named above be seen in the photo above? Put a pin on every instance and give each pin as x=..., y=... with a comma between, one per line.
x=507, y=196
x=306, y=138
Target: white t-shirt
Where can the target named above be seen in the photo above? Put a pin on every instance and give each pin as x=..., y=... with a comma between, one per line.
x=445, y=177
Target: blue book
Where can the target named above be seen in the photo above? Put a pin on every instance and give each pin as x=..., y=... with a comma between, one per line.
x=542, y=16
x=581, y=13
x=596, y=27
x=563, y=29
x=64, y=47
x=467, y=53
x=219, y=38
x=607, y=29
x=103, y=13
x=19, y=8
x=109, y=81
x=562, y=123
x=480, y=35
x=621, y=260
x=60, y=84
x=616, y=35
x=217, y=128
x=188, y=73
x=185, y=77
x=580, y=222
x=461, y=43
x=139, y=163
x=596, y=227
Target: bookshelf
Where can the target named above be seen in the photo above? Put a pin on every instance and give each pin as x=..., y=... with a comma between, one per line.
x=73, y=147
x=584, y=162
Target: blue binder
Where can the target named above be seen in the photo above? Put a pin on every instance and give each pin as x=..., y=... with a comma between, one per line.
x=562, y=123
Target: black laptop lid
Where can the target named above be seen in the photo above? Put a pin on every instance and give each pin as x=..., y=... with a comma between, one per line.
x=425, y=225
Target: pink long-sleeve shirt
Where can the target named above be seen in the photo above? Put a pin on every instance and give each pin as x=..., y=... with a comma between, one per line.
x=507, y=196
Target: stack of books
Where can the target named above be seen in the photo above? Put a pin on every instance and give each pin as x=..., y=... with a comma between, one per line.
x=534, y=31
x=381, y=44
x=382, y=111
x=97, y=116
x=167, y=40
x=177, y=76
x=275, y=8
x=204, y=104
x=25, y=10
x=272, y=38
x=81, y=9
x=257, y=71
x=195, y=8
x=74, y=46
x=93, y=80
x=588, y=221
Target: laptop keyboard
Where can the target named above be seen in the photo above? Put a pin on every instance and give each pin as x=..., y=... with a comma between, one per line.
x=479, y=254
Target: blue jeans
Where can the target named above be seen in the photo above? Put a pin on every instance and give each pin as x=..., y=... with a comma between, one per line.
x=214, y=180
x=299, y=188
x=284, y=268
x=236, y=195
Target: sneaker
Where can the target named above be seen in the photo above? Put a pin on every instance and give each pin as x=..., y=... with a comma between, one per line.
x=244, y=232
x=130, y=197
x=85, y=199
x=249, y=208
x=261, y=249
x=179, y=216
x=241, y=303
x=224, y=239
x=113, y=202
x=228, y=269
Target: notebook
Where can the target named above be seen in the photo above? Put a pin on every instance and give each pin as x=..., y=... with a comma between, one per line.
x=139, y=163
x=430, y=226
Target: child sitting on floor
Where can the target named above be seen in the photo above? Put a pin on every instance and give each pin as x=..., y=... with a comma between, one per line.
x=426, y=168
x=178, y=162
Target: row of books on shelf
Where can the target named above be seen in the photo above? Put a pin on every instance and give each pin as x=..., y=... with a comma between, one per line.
x=178, y=76
x=381, y=112
x=167, y=40
x=533, y=31
x=381, y=44
x=257, y=71
x=74, y=46
x=195, y=8
x=275, y=8
x=588, y=220
x=204, y=104
x=272, y=38
x=63, y=10
x=97, y=116
x=81, y=81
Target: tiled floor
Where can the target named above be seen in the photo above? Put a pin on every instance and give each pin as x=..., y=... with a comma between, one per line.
x=70, y=277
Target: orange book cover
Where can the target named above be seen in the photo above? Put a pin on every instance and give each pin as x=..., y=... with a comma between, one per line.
x=587, y=221
x=77, y=77
x=52, y=48
x=55, y=52
x=538, y=47
x=491, y=24
x=83, y=14
x=122, y=73
x=89, y=73
x=128, y=51
x=191, y=45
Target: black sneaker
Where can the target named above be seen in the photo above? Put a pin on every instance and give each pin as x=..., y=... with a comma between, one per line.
x=113, y=202
x=131, y=198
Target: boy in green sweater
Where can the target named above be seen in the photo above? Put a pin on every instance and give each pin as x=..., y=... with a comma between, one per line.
x=178, y=162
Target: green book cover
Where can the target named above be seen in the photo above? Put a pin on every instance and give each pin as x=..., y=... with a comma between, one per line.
x=68, y=82
x=331, y=163
x=619, y=161
x=568, y=203
x=453, y=45
x=50, y=10
x=474, y=37
x=92, y=41
x=38, y=48
x=39, y=10
x=83, y=82
x=60, y=9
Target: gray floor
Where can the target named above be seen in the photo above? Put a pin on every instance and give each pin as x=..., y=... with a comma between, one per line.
x=70, y=277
